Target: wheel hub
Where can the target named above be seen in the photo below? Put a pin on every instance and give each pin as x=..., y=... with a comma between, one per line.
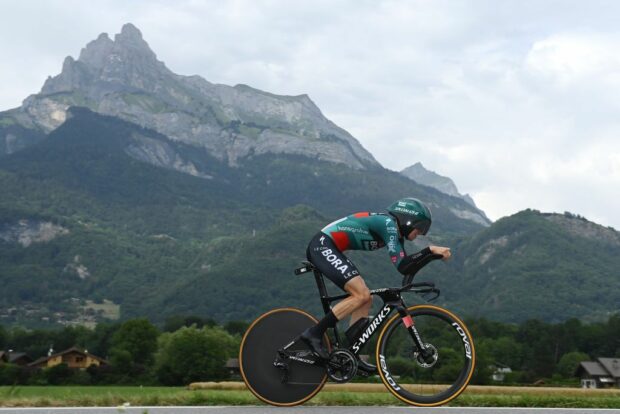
x=429, y=359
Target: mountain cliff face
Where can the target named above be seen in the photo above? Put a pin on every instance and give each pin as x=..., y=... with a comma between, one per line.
x=123, y=78
x=421, y=175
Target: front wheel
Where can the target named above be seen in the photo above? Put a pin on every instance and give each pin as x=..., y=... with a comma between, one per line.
x=431, y=377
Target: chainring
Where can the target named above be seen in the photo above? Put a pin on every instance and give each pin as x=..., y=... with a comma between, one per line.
x=342, y=365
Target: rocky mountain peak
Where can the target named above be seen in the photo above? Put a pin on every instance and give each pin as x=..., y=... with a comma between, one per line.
x=130, y=34
x=127, y=46
x=95, y=52
x=127, y=60
x=417, y=172
x=123, y=78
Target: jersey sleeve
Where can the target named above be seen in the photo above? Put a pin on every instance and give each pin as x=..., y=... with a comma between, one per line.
x=395, y=245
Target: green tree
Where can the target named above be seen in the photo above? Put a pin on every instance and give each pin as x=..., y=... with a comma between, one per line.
x=99, y=341
x=192, y=354
x=58, y=374
x=539, y=350
x=4, y=337
x=9, y=374
x=569, y=362
x=176, y=322
x=613, y=336
x=236, y=327
x=484, y=360
x=138, y=337
x=506, y=350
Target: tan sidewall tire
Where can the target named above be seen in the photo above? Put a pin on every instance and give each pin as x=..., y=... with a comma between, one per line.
x=473, y=353
x=257, y=395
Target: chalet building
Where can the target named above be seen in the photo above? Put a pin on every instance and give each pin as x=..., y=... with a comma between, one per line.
x=72, y=357
x=603, y=373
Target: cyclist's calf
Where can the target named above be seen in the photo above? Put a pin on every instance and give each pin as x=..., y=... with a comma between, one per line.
x=358, y=304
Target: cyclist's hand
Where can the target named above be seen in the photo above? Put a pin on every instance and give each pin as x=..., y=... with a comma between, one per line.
x=444, y=251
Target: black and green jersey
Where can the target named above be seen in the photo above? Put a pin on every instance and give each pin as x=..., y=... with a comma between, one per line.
x=367, y=231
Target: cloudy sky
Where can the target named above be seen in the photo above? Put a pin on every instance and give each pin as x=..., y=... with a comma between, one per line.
x=516, y=101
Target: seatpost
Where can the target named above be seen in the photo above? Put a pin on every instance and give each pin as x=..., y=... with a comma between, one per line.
x=320, y=283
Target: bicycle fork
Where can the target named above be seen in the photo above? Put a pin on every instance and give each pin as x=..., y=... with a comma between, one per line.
x=413, y=332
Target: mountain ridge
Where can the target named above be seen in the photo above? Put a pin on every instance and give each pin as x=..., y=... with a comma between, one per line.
x=123, y=78
x=417, y=172
x=115, y=212
x=151, y=194
x=101, y=224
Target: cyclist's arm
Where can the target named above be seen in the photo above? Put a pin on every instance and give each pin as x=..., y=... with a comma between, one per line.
x=414, y=262
x=395, y=245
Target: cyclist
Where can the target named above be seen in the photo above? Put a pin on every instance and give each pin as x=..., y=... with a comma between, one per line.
x=407, y=218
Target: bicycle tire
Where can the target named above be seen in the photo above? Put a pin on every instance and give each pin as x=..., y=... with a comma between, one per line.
x=268, y=333
x=454, y=363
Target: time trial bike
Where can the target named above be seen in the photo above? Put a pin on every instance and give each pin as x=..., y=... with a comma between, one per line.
x=424, y=354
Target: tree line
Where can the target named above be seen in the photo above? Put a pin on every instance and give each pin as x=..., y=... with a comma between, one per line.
x=183, y=350
x=190, y=348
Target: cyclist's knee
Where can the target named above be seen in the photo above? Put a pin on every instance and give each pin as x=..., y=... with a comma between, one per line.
x=359, y=291
x=363, y=297
x=367, y=298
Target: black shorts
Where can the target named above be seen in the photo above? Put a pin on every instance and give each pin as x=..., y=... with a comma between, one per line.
x=323, y=253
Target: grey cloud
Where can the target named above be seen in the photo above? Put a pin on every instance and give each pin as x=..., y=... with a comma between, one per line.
x=447, y=83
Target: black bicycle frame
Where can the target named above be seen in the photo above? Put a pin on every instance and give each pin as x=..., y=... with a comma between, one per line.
x=391, y=300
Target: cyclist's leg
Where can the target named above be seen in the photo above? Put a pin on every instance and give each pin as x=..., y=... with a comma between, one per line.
x=358, y=304
x=330, y=261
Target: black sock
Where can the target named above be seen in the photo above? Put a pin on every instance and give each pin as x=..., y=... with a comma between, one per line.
x=328, y=321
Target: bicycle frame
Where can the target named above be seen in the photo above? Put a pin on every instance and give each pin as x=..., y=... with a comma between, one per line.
x=392, y=300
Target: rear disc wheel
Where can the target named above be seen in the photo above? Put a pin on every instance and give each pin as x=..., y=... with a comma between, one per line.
x=259, y=348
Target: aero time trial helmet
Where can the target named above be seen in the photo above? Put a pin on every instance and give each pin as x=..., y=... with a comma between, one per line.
x=411, y=213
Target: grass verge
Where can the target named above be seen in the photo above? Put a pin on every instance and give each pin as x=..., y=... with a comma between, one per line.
x=333, y=394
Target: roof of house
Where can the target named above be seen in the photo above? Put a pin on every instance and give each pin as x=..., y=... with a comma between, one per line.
x=79, y=351
x=612, y=365
x=38, y=361
x=67, y=351
x=593, y=368
x=14, y=356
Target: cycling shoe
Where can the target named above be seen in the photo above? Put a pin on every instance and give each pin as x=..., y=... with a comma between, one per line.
x=315, y=343
x=366, y=367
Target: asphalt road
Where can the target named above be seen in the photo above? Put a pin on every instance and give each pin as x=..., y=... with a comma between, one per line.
x=301, y=410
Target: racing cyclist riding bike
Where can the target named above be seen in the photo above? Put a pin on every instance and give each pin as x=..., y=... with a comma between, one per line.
x=407, y=218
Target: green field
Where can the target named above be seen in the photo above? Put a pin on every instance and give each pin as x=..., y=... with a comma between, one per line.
x=235, y=394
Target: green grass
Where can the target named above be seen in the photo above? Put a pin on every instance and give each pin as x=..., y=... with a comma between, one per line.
x=35, y=396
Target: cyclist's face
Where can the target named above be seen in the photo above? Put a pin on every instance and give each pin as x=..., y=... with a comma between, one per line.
x=414, y=233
